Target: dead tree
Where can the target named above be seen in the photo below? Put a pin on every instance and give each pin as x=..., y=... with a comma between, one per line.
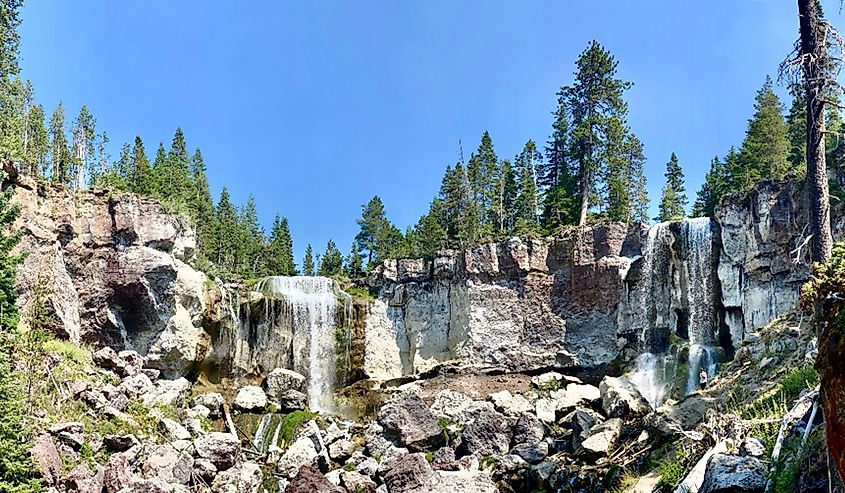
x=813, y=69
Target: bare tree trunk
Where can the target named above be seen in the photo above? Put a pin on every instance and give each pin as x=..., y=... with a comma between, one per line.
x=817, y=184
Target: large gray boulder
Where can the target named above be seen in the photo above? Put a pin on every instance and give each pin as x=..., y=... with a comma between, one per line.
x=222, y=449
x=603, y=440
x=309, y=480
x=244, y=478
x=407, y=419
x=621, y=399
x=281, y=380
x=169, y=464
x=486, y=431
x=213, y=401
x=529, y=429
x=409, y=474
x=734, y=474
x=251, y=399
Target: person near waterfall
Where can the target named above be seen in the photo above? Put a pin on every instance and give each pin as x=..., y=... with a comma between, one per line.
x=702, y=378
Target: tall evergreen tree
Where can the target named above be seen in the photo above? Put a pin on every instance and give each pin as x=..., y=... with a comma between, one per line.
x=83, y=132
x=714, y=187
x=280, y=260
x=59, y=154
x=331, y=262
x=483, y=172
x=138, y=179
x=202, y=206
x=229, y=241
x=796, y=133
x=355, y=263
x=673, y=202
x=527, y=203
x=378, y=237
x=556, y=177
x=178, y=168
x=429, y=235
x=765, y=150
x=503, y=208
x=595, y=102
x=252, y=238
x=38, y=142
x=638, y=186
x=308, y=261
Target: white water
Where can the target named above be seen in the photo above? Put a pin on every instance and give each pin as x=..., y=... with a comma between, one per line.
x=698, y=237
x=653, y=377
x=312, y=303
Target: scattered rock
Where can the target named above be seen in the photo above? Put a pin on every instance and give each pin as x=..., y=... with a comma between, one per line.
x=753, y=447
x=449, y=404
x=205, y=469
x=621, y=399
x=213, y=401
x=575, y=395
x=309, y=480
x=117, y=474
x=602, y=441
x=251, y=399
x=136, y=385
x=291, y=400
x=532, y=453
x=408, y=474
x=529, y=429
x=244, y=478
x=168, y=393
x=547, y=380
x=731, y=473
x=486, y=432
x=48, y=460
x=281, y=380
x=119, y=443
x=167, y=463
x=171, y=430
x=511, y=405
x=341, y=450
x=357, y=483
x=222, y=449
x=407, y=419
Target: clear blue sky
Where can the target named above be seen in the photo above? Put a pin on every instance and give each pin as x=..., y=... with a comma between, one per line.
x=316, y=106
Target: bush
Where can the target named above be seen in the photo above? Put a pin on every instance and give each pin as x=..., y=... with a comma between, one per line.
x=293, y=422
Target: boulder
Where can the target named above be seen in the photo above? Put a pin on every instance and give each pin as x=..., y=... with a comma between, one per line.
x=222, y=449
x=603, y=440
x=205, y=469
x=213, y=401
x=83, y=480
x=529, y=429
x=119, y=443
x=154, y=485
x=306, y=450
x=406, y=418
x=117, y=474
x=575, y=395
x=464, y=481
x=244, y=478
x=168, y=393
x=510, y=405
x=251, y=399
x=171, y=430
x=309, y=480
x=753, y=447
x=449, y=405
x=291, y=400
x=169, y=464
x=341, y=450
x=281, y=380
x=486, y=432
x=532, y=453
x=581, y=421
x=357, y=483
x=47, y=459
x=548, y=380
x=732, y=473
x=409, y=474
x=136, y=385
x=621, y=399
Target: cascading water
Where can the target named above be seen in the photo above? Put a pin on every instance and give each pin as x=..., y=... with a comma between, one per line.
x=700, y=299
x=311, y=308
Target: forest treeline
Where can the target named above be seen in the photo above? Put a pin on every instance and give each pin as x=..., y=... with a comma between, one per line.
x=590, y=169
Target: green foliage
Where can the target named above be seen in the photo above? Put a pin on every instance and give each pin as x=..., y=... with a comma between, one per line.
x=293, y=422
x=378, y=237
x=331, y=262
x=673, y=203
x=308, y=261
x=765, y=150
x=673, y=468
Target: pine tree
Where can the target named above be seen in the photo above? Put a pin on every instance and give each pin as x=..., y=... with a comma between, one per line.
x=429, y=235
x=354, y=263
x=17, y=471
x=280, y=260
x=505, y=182
x=796, y=134
x=674, y=200
x=527, y=202
x=331, y=262
x=59, y=153
x=252, y=237
x=638, y=186
x=138, y=179
x=378, y=236
x=483, y=175
x=459, y=216
x=9, y=39
x=714, y=187
x=38, y=142
x=308, y=261
x=765, y=150
x=201, y=206
x=229, y=242
x=555, y=176
x=83, y=134
x=177, y=179
x=595, y=103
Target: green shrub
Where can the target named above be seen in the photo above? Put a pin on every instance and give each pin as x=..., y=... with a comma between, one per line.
x=293, y=422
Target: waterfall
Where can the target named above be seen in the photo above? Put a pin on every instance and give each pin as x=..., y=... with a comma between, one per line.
x=653, y=376
x=700, y=299
x=311, y=311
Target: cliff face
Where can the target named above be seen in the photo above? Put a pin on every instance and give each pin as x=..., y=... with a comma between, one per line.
x=112, y=269
x=586, y=298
